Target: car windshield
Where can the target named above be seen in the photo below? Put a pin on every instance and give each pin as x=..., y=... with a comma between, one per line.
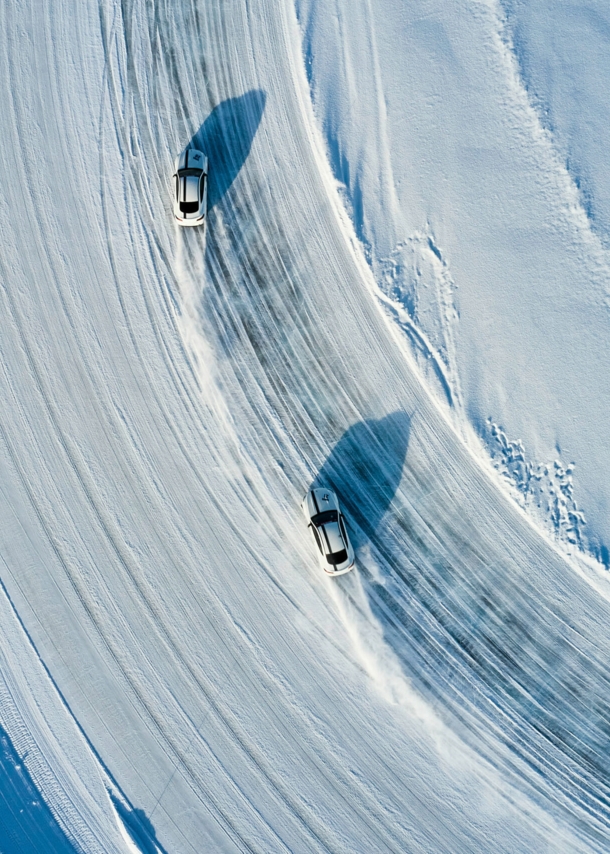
x=189, y=207
x=324, y=517
x=184, y=173
x=337, y=557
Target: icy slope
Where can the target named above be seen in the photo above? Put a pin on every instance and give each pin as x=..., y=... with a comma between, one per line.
x=474, y=226
x=564, y=61
x=167, y=398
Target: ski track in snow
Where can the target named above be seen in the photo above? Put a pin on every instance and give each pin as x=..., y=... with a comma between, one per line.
x=168, y=396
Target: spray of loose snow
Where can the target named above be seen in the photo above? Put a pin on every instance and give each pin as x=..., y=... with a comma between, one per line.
x=377, y=659
x=190, y=275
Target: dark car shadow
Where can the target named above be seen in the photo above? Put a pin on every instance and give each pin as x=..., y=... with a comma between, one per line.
x=365, y=468
x=139, y=826
x=226, y=137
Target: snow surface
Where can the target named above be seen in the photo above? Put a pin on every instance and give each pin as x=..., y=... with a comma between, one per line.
x=483, y=206
x=176, y=673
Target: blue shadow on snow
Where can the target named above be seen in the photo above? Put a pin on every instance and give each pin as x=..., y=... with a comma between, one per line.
x=365, y=468
x=27, y=825
x=139, y=827
x=226, y=137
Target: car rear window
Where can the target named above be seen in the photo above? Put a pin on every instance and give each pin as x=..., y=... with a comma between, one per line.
x=189, y=207
x=337, y=557
x=324, y=517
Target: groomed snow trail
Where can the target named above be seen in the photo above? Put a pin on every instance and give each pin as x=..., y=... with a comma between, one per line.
x=167, y=397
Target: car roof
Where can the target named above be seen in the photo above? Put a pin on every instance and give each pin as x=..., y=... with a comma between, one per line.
x=189, y=188
x=333, y=537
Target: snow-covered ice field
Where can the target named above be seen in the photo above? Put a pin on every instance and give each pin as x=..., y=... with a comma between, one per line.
x=403, y=291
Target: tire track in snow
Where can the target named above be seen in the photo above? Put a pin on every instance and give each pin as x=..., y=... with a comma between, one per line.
x=390, y=849
x=88, y=489
x=267, y=332
x=308, y=357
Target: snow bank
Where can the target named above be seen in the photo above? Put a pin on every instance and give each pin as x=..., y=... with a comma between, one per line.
x=481, y=204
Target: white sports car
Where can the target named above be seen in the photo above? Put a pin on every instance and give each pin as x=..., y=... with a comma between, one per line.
x=327, y=525
x=191, y=187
